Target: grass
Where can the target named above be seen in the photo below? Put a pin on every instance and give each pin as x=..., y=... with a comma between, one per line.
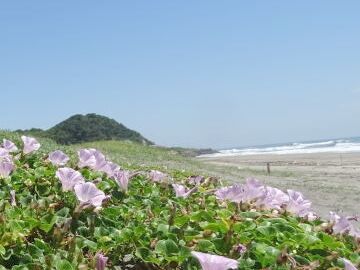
x=135, y=156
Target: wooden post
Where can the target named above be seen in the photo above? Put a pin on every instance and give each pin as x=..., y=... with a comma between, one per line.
x=268, y=168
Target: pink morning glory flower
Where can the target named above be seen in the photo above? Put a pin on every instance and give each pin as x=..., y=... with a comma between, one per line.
x=265, y=197
x=100, y=161
x=9, y=146
x=6, y=166
x=101, y=261
x=182, y=191
x=252, y=190
x=273, y=198
x=230, y=193
x=349, y=265
x=30, y=144
x=69, y=178
x=88, y=194
x=342, y=225
x=87, y=158
x=196, y=180
x=122, y=179
x=96, y=160
x=214, y=262
x=4, y=152
x=247, y=193
x=110, y=168
x=58, y=158
x=157, y=176
x=297, y=205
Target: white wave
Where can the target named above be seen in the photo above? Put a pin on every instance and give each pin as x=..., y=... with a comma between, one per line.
x=304, y=145
x=332, y=146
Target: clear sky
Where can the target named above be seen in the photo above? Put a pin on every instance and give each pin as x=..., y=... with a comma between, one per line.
x=188, y=73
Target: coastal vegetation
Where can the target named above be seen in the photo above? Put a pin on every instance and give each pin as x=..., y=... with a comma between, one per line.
x=75, y=207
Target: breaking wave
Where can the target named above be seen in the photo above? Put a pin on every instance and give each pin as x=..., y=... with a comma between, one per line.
x=328, y=146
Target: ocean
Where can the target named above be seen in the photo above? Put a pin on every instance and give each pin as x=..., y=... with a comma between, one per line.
x=345, y=145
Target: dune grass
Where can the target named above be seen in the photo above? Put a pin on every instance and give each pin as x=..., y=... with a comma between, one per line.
x=138, y=156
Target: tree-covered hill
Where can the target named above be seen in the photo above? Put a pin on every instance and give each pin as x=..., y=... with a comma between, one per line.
x=88, y=128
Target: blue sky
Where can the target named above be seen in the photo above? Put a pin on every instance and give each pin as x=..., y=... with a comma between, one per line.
x=188, y=73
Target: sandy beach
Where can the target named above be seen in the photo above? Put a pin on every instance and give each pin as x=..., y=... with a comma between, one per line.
x=330, y=180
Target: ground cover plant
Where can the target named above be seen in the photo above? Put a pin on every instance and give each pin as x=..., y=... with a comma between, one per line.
x=68, y=210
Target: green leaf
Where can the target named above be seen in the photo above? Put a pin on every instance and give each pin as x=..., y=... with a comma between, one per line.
x=202, y=216
x=221, y=245
x=63, y=212
x=167, y=247
x=301, y=260
x=225, y=213
x=40, y=244
x=34, y=251
x=250, y=214
x=164, y=228
x=284, y=228
x=19, y=267
x=266, y=230
x=205, y=245
x=47, y=222
x=143, y=253
x=266, y=255
x=181, y=220
x=246, y=225
x=217, y=227
x=83, y=242
x=64, y=265
x=246, y=263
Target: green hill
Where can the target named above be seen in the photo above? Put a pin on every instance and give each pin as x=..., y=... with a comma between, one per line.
x=88, y=128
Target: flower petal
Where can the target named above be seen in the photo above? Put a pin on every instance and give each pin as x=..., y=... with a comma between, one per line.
x=58, y=158
x=69, y=178
x=6, y=166
x=297, y=205
x=214, y=262
x=30, y=144
x=349, y=265
x=122, y=179
x=9, y=145
x=157, y=176
x=89, y=193
x=182, y=191
x=101, y=261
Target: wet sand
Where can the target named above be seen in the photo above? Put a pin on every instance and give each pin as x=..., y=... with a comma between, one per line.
x=330, y=180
